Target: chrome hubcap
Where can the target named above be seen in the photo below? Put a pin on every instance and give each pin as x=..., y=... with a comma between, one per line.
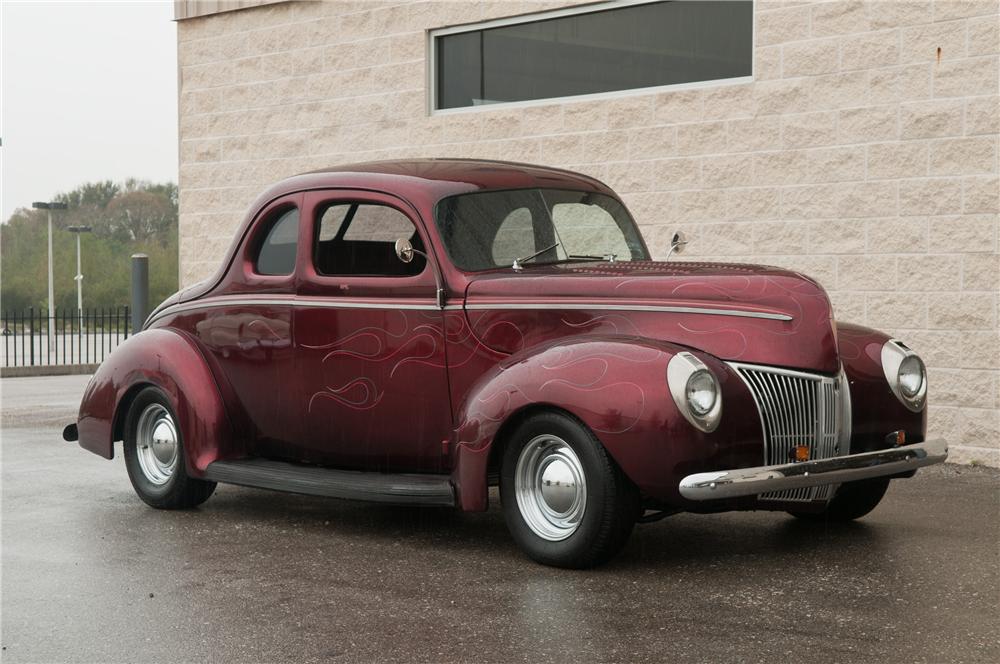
x=550, y=487
x=156, y=444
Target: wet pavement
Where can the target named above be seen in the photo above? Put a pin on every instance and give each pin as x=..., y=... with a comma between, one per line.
x=89, y=573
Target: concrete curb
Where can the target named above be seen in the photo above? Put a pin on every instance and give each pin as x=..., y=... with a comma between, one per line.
x=48, y=370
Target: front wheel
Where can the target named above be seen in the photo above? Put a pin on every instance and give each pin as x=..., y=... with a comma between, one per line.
x=154, y=455
x=852, y=501
x=566, y=502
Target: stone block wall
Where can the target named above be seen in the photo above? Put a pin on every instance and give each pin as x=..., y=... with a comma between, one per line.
x=864, y=153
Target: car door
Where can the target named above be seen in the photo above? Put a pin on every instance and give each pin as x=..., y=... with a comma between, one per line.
x=369, y=338
x=247, y=330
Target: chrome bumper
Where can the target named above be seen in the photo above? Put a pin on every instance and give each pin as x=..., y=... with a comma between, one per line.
x=763, y=479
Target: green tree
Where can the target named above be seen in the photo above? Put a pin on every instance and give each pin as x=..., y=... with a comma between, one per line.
x=128, y=217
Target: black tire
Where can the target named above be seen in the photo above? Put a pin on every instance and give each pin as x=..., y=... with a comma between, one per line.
x=180, y=491
x=853, y=501
x=612, y=502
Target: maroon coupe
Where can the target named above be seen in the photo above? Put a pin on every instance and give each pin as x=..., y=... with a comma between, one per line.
x=416, y=331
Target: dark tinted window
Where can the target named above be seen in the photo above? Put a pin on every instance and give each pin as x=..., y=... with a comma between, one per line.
x=640, y=46
x=486, y=230
x=360, y=239
x=277, y=251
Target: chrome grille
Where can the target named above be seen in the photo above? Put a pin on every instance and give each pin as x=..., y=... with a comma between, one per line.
x=798, y=408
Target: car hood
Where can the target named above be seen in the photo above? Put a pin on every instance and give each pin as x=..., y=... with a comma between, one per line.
x=746, y=313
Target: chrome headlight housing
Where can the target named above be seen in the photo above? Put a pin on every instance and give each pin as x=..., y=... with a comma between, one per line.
x=905, y=373
x=695, y=390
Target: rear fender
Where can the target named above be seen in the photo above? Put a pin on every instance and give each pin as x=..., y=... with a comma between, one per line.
x=172, y=362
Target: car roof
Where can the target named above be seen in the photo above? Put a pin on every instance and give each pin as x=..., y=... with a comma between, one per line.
x=433, y=179
x=485, y=173
x=419, y=181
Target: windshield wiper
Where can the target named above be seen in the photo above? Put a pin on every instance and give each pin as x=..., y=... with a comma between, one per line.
x=518, y=262
x=609, y=257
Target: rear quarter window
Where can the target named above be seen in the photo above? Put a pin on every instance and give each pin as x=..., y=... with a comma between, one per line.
x=276, y=254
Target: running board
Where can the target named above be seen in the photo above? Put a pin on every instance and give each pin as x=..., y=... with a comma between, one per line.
x=408, y=489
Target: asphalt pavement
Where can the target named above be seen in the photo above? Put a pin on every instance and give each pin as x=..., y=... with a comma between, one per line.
x=90, y=573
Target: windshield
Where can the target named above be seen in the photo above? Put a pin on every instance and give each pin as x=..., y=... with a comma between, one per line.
x=491, y=229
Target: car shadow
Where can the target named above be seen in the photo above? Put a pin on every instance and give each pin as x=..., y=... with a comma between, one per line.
x=676, y=540
x=745, y=537
x=319, y=515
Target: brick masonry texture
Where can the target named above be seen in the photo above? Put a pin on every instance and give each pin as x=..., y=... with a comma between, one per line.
x=863, y=154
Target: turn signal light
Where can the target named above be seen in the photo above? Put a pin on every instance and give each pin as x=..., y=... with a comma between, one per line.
x=801, y=453
x=896, y=438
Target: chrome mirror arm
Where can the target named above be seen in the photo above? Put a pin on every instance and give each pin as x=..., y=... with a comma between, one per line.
x=438, y=279
x=677, y=244
x=405, y=253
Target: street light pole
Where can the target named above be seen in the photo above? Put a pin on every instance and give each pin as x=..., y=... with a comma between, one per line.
x=78, y=230
x=52, y=303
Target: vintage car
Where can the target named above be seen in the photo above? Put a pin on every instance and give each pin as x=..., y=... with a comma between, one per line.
x=414, y=332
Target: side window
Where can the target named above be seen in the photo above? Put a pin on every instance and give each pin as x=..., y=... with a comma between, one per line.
x=331, y=221
x=515, y=237
x=360, y=239
x=276, y=255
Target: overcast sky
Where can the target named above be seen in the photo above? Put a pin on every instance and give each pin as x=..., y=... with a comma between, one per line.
x=89, y=93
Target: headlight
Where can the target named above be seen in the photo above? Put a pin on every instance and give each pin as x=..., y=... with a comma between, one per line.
x=695, y=391
x=702, y=390
x=911, y=376
x=905, y=373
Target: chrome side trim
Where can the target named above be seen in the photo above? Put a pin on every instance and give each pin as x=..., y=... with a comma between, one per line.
x=785, y=477
x=238, y=300
x=324, y=303
x=596, y=306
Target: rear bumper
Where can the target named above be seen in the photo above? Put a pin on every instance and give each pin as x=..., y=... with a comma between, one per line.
x=764, y=479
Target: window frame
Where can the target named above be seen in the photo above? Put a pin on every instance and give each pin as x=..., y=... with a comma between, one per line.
x=446, y=251
x=256, y=234
x=316, y=225
x=431, y=71
x=312, y=282
x=268, y=226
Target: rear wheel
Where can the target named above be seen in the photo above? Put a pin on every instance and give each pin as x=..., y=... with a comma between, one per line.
x=154, y=455
x=566, y=502
x=853, y=501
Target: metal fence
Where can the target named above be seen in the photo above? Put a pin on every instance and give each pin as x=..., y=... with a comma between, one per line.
x=71, y=336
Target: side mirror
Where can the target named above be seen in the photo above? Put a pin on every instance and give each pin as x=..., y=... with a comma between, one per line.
x=677, y=243
x=404, y=250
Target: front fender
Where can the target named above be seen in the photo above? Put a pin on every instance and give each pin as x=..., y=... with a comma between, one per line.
x=875, y=410
x=168, y=360
x=617, y=388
